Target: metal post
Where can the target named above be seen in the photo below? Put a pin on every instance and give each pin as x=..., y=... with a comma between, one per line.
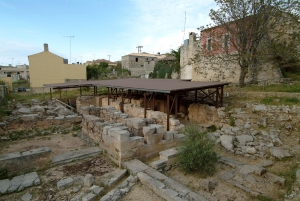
x=145, y=107
x=176, y=104
x=222, y=91
x=217, y=97
x=108, y=95
x=168, y=111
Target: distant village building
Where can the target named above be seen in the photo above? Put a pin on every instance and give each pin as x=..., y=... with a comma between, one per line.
x=98, y=61
x=48, y=68
x=141, y=64
x=17, y=73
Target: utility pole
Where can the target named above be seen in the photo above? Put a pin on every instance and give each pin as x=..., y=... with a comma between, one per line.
x=139, y=48
x=12, y=61
x=70, y=46
x=108, y=57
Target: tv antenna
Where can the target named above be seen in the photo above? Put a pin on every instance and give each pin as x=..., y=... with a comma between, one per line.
x=139, y=49
x=70, y=46
x=109, y=57
x=184, y=26
x=12, y=61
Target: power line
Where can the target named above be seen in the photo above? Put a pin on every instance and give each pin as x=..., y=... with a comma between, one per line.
x=70, y=47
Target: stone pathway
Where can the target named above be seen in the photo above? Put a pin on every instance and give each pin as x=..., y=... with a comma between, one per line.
x=162, y=185
x=75, y=155
x=19, y=183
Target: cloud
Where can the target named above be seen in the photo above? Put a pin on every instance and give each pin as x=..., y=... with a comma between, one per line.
x=158, y=25
x=5, y=5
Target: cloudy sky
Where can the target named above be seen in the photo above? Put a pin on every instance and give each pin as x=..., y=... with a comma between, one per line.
x=100, y=27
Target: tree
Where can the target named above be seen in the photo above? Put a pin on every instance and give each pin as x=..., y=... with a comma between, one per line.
x=95, y=71
x=249, y=24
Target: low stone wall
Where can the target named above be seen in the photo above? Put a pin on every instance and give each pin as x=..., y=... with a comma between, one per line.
x=31, y=121
x=134, y=109
x=124, y=138
x=25, y=161
x=37, y=116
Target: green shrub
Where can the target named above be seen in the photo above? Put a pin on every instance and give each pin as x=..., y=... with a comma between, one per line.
x=196, y=152
x=292, y=100
x=3, y=173
x=232, y=121
x=290, y=177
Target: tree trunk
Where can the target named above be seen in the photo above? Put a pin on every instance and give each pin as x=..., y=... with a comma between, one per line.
x=244, y=71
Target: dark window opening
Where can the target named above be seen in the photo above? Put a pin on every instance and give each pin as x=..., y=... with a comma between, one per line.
x=136, y=59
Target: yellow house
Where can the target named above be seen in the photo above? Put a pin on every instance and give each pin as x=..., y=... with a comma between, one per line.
x=48, y=68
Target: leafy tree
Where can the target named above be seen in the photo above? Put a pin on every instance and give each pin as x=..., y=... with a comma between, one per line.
x=167, y=66
x=196, y=152
x=249, y=24
x=95, y=71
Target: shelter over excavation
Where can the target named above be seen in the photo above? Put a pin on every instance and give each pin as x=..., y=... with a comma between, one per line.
x=172, y=89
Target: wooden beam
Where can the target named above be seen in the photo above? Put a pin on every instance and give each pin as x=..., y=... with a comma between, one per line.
x=153, y=101
x=217, y=97
x=176, y=104
x=145, y=106
x=222, y=91
x=50, y=94
x=129, y=91
x=80, y=90
x=168, y=112
x=59, y=94
x=108, y=95
x=122, y=102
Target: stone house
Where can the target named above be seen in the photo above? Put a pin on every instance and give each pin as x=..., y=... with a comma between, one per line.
x=47, y=68
x=210, y=58
x=140, y=64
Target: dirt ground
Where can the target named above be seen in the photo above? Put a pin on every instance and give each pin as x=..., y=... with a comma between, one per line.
x=58, y=143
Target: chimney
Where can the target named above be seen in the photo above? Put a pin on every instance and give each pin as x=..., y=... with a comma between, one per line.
x=46, y=47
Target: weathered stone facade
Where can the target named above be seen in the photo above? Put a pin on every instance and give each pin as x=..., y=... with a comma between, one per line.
x=198, y=66
x=140, y=63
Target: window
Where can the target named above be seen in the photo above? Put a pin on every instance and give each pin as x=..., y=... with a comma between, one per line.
x=226, y=41
x=136, y=59
x=208, y=44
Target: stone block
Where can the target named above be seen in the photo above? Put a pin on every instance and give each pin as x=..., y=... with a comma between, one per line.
x=65, y=183
x=132, y=143
x=134, y=166
x=121, y=135
x=169, y=135
x=136, y=123
x=89, y=197
x=26, y=197
x=159, y=164
x=113, y=178
x=96, y=189
x=106, y=129
x=88, y=180
x=29, y=117
x=148, y=130
x=4, y=185
x=158, y=128
x=154, y=139
x=15, y=183
x=58, y=120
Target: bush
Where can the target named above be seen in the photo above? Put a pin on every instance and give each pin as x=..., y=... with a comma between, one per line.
x=196, y=152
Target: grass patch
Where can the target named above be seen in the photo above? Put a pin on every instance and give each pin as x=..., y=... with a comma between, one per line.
x=263, y=198
x=290, y=177
x=267, y=100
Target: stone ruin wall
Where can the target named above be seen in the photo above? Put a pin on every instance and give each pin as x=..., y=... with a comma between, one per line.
x=35, y=116
x=135, y=109
x=124, y=138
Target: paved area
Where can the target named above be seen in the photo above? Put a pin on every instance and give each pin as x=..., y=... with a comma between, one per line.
x=75, y=155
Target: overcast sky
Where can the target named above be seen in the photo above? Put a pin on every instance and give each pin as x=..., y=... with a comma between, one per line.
x=100, y=27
